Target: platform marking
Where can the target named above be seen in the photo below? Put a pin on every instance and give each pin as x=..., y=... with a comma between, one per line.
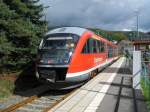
x=93, y=106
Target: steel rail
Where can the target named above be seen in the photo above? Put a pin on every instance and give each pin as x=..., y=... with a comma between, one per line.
x=20, y=104
x=31, y=99
x=58, y=101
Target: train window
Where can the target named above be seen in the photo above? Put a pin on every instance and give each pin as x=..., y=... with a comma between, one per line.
x=85, y=48
x=90, y=41
x=110, y=51
x=101, y=46
x=97, y=46
x=60, y=41
x=88, y=47
x=58, y=48
x=94, y=46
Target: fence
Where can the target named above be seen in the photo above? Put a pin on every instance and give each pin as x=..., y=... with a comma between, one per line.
x=145, y=79
x=145, y=71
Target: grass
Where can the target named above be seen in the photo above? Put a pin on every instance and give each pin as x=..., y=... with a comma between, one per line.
x=16, y=73
x=6, y=88
x=146, y=92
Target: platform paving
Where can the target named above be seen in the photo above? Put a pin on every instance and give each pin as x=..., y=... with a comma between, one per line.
x=110, y=91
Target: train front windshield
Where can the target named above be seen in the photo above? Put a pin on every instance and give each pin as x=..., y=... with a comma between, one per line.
x=57, y=49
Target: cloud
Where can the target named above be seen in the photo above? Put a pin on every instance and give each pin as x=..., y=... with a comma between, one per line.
x=105, y=14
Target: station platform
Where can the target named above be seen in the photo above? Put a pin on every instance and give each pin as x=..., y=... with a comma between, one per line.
x=110, y=91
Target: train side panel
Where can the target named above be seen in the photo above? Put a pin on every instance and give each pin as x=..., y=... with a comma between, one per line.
x=82, y=64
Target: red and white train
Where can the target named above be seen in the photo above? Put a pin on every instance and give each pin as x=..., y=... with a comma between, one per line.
x=69, y=56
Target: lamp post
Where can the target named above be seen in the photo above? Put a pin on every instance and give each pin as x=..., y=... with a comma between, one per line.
x=137, y=23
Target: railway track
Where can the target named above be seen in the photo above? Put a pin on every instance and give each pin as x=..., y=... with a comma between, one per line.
x=38, y=103
x=41, y=102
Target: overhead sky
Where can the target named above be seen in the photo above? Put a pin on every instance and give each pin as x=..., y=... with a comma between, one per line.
x=104, y=14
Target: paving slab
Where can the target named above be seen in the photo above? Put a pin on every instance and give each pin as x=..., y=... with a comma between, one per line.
x=110, y=91
x=126, y=105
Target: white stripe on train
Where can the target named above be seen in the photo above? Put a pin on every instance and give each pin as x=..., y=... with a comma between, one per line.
x=69, y=75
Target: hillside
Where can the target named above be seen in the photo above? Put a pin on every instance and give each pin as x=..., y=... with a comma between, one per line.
x=110, y=35
x=121, y=35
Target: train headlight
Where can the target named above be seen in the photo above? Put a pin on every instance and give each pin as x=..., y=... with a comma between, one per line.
x=66, y=61
x=37, y=74
x=41, y=61
x=70, y=53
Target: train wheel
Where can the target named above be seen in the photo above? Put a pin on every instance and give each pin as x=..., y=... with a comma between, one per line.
x=97, y=71
x=93, y=74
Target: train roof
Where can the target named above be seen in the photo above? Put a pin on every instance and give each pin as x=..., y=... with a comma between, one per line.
x=74, y=30
x=77, y=30
x=105, y=40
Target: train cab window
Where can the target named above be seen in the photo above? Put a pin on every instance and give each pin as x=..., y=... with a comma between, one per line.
x=58, y=48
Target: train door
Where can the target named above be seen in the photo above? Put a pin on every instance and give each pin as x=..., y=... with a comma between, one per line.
x=87, y=52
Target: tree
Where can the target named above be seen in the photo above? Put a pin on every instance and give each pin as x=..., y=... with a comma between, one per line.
x=21, y=28
x=119, y=36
